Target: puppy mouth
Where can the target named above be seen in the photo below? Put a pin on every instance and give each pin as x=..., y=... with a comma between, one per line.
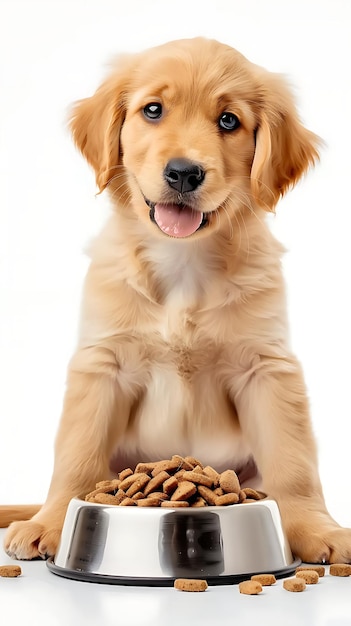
x=176, y=220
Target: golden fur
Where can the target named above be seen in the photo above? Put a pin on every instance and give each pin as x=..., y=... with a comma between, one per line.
x=183, y=344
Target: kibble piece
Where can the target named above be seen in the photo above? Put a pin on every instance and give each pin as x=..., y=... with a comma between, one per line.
x=156, y=482
x=227, y=498
x=145, y=468
x=179, y=474
x=167, y=465
x=128, y=502
x=194, y=462
x=159, y=496
x=119, y=496
x=129, y=480
x=184, y=491
x=138, y=485
x=190, y=584
x=252, y=493
x=250, y=587
x=113, y=486
x=207, y=494
x=109, y=484
x=125, y=473
x=182, y=463
x=90, y=497
x=340, y=569
x=147, y=502
x=294, y=584
x=266, y=580
x=209, y=471
x=170, y=485
x=105, y=498
x=242, y=496
x=10, y=571
x=138, y=496
x=229, y=482
x=198, y=479
x=315, y=568
x=309, y=576
x=104, y=486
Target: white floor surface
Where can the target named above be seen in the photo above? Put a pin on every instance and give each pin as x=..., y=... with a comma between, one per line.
x=41, y=598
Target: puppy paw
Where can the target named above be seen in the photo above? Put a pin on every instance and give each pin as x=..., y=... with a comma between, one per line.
x=30, y=540
x=326, y=546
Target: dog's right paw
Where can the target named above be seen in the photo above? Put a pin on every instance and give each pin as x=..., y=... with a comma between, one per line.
x=30, y=540
x=322, y=546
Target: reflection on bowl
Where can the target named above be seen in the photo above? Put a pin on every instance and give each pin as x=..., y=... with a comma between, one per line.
x=189, y=544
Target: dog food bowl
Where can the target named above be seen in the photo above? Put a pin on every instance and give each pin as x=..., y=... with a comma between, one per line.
x=154, y=546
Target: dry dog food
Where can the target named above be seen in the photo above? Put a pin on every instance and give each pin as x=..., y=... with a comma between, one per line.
x=305, y=575
x=10, y=571
x=309, y=576
x=250, y=587
x=178, y=482
x=294, y=584
x=266, y=580
x=190, y=584
x=340, y=569
x=314, y=568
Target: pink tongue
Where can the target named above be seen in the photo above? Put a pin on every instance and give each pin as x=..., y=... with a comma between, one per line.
x=177, y=221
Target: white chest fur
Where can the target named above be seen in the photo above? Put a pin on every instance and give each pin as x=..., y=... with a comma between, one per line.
x=184, y=408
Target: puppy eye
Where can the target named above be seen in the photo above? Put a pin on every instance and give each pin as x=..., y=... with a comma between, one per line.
x=228, y=121
x=153, y=110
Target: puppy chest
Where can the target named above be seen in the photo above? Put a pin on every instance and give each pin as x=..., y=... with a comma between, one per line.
x=185, y=410
x=187, y=355
x=189, y=363
x=184, y=390
x=183, y=356
x=184, y=406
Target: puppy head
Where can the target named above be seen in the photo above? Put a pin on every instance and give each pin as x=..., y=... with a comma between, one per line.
x=187, y=134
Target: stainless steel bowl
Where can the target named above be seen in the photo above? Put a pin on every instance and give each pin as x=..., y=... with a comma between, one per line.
x=153, y=546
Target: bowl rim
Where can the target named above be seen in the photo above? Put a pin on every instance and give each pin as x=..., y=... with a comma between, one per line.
x=129, y=581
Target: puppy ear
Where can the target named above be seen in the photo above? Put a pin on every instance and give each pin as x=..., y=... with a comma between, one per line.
x=284, y=148
x=96, y=124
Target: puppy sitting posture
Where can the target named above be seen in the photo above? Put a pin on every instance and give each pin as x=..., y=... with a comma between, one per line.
x=183, y=344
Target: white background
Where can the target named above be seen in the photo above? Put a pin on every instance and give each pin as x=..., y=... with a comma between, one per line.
x=53, y=52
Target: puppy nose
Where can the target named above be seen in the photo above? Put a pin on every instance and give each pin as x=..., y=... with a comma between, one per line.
x=183, y=174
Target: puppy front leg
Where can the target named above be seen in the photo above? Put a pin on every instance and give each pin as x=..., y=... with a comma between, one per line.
x=95, y=413
x=274, y=415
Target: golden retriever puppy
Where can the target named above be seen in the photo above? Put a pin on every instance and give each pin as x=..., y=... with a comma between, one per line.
x=183, y=344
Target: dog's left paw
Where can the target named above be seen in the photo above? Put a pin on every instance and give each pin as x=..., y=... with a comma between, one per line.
x=30, y=540
x=331, y=546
